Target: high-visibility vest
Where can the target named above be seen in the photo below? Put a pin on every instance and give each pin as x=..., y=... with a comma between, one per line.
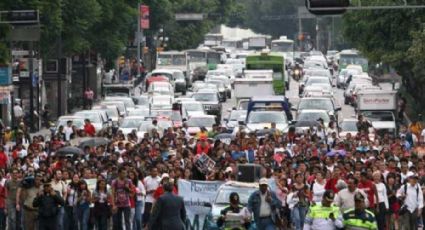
x=353, y=221
x=321, y=212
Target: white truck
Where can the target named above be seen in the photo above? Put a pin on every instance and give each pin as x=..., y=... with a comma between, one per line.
x=379, y=107
x=257, y=43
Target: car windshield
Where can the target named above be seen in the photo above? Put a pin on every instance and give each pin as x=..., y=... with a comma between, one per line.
x=93, y=117
x=316, y=103
x=224, y=194
x=312, y=65
x=378, y=115
x=75, y=122
x=201, y=121
x=193, y=107
x=267, y=117
x=317, y=80
x=349, y=126
x=235, y=115
x=243, y=105
x=131, y=123
x=314, y=116
x=139, y=112
x=324, y=73
x=205, y=96
x=161, y=113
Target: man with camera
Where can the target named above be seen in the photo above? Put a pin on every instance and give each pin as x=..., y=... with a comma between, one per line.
x=48, y=201
x=30, y=187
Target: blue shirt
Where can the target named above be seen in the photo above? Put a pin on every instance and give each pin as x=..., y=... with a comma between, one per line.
x=237, y=155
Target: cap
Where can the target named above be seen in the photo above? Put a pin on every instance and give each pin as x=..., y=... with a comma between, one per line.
x=359, y=197
x=228, y=170
x=329, y=195
x=165, y=175
x=264, y=181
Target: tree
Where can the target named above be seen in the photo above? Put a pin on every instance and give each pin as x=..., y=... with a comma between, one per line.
x=392, y=37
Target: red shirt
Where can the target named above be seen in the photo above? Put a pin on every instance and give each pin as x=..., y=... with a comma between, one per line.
x=3, y=160
x=367, y=187
x=331, y=185
x=160, y=190
x=200, y=149
x=2, y=196
x=89, y=129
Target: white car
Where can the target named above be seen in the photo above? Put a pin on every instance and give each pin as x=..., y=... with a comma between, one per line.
x=161, y=102
x=112, y=112
x=192, y=108
x=76, y=121
x=160, y=88
x=196, y=122
x=131, y=123
x=128, y=101
x=144, y=112
x=258, y=120
x=95, y=118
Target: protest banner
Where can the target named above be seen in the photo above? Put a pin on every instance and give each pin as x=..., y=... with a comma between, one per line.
x=196, y=194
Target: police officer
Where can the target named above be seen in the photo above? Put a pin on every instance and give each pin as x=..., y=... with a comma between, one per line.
x=237, y=208
x=322, y=216
x=358, y=218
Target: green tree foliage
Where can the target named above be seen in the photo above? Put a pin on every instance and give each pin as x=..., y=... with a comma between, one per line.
x=394, y=37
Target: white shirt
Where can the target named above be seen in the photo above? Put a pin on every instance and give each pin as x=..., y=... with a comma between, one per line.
x=318, y=191
x=382, y=194
x=68, y=131
x=151, y=183
x=345, y=199
x=413, y=200
x=17, y=110
x=140, y=191
x=265, y=209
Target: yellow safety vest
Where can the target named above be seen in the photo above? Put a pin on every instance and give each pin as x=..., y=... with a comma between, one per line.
x=321, y=212
x=354, y=221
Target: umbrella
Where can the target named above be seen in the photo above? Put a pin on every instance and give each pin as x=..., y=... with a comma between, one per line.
x=69, y=151
x=334, y=152
x=93, y=141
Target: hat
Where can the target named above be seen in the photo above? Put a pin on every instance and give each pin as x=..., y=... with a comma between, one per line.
x=329, y=195
x=264, y=181
x=414, y=176
x=165, y=175
x=359, y=197
x=228, y=170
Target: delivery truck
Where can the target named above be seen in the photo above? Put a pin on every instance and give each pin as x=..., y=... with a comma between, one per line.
x=379, y=107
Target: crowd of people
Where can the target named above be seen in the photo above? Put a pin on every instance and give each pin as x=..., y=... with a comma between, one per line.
x=319, y=177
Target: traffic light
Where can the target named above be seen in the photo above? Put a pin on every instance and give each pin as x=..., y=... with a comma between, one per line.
x=327, y=7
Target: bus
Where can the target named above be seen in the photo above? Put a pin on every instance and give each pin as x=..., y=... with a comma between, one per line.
x=285, y=46
x=352, y=57
x=270, y=61
x=171, y=60
x=199, y=61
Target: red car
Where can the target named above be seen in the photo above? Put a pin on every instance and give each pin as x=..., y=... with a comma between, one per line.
x=154, y=79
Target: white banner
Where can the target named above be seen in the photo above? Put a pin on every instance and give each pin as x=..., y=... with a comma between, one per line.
x=196, y=194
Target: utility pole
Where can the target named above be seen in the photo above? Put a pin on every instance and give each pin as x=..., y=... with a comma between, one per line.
x=31, y=74
x=59, y=75
x=139, y=37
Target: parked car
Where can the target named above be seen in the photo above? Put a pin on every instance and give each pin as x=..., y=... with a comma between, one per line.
x=95, y=118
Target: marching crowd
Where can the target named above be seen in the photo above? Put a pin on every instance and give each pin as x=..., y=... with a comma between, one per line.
x=321, y=181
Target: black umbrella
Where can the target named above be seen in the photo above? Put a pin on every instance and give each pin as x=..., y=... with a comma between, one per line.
x=93, y=142
x=69, y=151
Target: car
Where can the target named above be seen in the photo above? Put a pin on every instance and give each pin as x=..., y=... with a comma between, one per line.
x=161, y=102
x=340, y=79
x=161, y=113
x=349, y=90
x=234, y=118
x=77, y=121
x=242, y=104
x=361, y=88
x=258, y=120
x=146, y=126
x=176, y=118
x=95, y=118
x=221, y=201
x=191, y=108
x=314, y=81
x=131, y=123
x=145, y=112
x=318, y=73
x=180, y=84
x=195, y=123
x=161, y=88
x=226, y=82
x=317, y=89
x=119, y=104
x=221, y=88
x=347, y=74
x=210, y=101
x=348, y=126
x=362, y=76
x=150, y=78
x=313, y=115
x=313, y=64
x=183, y=99
x=141, y=100
x=128, y=101
x=319, y=103
x=168, y=73
x=112, y=112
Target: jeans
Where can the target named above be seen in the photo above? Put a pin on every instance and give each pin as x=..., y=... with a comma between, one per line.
x=137, y=223
x=11, y=217
x=298, y=214
x=265, y=224
x=117, y=219
x=102, y=222
x=147, y=212
x=2, y=219
x=70, y=218
x=380, y=216
x=83, y=214
x=60, y=216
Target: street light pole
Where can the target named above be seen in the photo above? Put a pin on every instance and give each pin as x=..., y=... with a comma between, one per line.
x=139, y=37
x=31, y=76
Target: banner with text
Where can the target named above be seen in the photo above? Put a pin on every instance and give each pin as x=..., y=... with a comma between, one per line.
x=196, y=194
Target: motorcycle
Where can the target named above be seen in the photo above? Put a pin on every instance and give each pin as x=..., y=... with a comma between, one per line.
x=297, y=73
